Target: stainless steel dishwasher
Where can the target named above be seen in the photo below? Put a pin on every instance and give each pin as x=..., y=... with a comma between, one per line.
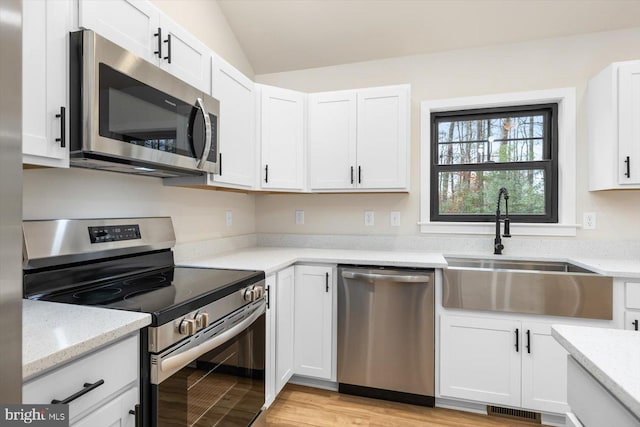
x=386, y=333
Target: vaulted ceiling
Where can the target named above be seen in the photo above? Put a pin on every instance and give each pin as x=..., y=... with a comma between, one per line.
x=281, y=35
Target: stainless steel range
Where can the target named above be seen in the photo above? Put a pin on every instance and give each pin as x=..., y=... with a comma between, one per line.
x=203, y=357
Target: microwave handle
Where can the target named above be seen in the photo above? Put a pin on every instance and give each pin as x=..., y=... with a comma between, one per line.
x=207, y=135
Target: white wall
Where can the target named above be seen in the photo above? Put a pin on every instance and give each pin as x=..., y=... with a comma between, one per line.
x=552, y=63
x=197, y=214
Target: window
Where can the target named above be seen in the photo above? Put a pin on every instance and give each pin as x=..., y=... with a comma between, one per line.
x=476, y=152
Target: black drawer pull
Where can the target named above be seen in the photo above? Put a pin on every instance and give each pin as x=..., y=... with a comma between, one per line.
x=159, y=36
x=326, y=278
x=628, y=163
x=168, y=42
x=63, y=127
x=517, y=332
x=528, y=341
x=635, y=325
x=87, y=388
x=266, y=173
x=268, y=296
x=359, y=175
x=351, y=174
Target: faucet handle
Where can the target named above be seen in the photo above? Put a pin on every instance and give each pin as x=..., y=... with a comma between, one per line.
x=507, y=232
x=497, y=248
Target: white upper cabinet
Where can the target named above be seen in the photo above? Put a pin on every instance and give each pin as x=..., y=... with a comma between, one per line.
x=614, y=127
x=383, y=138
x=281, y=118
x=332, y=140
x=359, y=139
x=132, y=24
x=236, y=94
x=141, y=28
x=45, y=42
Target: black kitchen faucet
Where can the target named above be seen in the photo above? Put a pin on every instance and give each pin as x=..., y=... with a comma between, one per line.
x=497, y=243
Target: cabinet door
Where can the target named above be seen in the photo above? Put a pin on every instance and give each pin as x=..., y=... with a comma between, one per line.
x=332, y=140
x=479, y=360
x=270, y=357
x=629, y=123
x=313, y=321
x=383, y=138
x=282, y=138
x=544, y=370
x=113, y=414
x=184, y=56
x=284, y=327
x=44, y=82
x=236, y=94
x=132, y=24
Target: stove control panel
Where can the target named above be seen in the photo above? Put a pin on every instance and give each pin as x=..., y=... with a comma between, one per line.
x=114, y=233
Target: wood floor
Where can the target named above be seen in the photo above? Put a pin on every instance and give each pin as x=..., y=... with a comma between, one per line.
x=303, y=406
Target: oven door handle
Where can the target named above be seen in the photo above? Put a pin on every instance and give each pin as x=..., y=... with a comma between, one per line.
x=173, y=364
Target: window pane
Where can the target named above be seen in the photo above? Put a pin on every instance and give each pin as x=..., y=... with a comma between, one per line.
x=476, y=192
x=500, y=139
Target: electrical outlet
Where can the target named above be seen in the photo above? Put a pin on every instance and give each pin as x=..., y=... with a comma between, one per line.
x=369, y=218
x=394, y=218
x=589, y=220
x=299, y=217
x=229, y=217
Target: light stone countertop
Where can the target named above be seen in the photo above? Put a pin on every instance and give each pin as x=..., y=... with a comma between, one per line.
x=611, y=355
x=629, y=268
x=54, y=333
x=271, y=260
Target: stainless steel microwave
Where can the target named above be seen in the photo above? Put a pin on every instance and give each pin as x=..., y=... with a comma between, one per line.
x=128, y=115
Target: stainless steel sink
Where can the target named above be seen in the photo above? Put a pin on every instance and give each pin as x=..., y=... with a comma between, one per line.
x=524, y=286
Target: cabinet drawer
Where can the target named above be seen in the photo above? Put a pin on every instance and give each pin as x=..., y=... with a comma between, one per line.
x=632, y=295
x=116, y=365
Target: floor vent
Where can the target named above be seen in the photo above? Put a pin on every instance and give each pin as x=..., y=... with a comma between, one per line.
x=516, y=414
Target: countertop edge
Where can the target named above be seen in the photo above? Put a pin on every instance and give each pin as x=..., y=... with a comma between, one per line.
x=59, y=358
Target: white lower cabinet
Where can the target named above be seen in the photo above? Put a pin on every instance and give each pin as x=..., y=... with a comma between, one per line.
x=314, y=322
x=110, y=377
x=280, y=317
x=502, y=361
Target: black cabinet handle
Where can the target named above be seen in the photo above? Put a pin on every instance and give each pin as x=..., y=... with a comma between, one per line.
x=635, y=325
x=528, y=341
x=159, y=36
x=266, y=173
x=628, y=163
x=168, y=42
x=87, y=388
x=351, y=174
x=268, y=296
x=359, y=175
x=517, y=332
x=326, y=280
x=136, y=413
x=220, y=163
x=63, y=127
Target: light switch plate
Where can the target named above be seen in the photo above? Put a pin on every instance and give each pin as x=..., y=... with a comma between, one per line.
x=229, y=217
x=299, y=217
x=369, y=218
x=394, y=218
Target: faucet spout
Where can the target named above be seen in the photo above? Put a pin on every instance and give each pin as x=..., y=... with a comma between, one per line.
x=497, y=242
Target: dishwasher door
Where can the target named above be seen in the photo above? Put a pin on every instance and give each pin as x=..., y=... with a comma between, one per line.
x=386, y=333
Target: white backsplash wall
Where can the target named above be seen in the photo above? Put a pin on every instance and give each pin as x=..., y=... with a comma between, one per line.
x=82, y=193
x=544, y=64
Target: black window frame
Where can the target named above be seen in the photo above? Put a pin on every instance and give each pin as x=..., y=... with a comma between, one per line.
x=550, y=165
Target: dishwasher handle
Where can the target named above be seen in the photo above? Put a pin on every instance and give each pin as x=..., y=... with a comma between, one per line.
x=400, y=278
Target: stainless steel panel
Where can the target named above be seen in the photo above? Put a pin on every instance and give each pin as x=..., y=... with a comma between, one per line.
x=512, y=264
x=386, y=330
x=101, y=50
x=528, y=291
x=52, y=242
x=10, y=201
x=165, y=335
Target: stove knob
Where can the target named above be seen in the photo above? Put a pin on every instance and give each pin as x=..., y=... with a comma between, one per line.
x=249, y=295
x=259, y=292
x=202, y=320
x=187, y=327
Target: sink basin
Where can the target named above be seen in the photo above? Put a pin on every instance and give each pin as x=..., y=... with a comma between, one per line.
x=522, y=286
x=511, y=264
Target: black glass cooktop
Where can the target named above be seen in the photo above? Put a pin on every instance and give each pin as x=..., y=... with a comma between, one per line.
x=166, y=293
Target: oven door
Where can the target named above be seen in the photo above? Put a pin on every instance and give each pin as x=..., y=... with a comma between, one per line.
x=222, y=383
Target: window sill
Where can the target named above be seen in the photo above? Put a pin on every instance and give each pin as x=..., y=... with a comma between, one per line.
x=489, y=228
